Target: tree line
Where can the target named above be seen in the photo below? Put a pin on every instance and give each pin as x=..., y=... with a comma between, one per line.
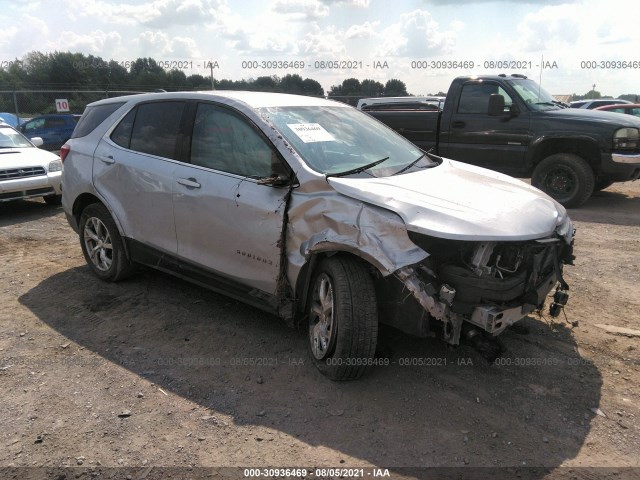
x=69, y=71
x=77, y=71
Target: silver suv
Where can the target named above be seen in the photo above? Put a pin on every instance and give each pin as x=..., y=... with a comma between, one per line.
x=313, y=211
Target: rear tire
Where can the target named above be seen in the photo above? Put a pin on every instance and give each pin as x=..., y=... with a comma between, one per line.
x=343, y=318
x=565, y=177
x=102, y=244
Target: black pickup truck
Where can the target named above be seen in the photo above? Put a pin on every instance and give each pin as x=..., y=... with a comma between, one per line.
x=512, y=125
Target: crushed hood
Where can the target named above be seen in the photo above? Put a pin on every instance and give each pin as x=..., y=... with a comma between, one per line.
x=459, y=201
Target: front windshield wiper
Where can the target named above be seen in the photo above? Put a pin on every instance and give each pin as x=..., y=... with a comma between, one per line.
x=552, y=103
x=428, y=154
x=404, y=169
x=357, y=170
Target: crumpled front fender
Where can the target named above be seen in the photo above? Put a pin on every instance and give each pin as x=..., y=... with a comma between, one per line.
x=330, y=223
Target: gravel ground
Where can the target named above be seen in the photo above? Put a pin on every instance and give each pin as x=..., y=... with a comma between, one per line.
x=156, y=372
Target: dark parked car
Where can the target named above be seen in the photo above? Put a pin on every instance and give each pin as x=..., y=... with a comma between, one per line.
x=54, y=129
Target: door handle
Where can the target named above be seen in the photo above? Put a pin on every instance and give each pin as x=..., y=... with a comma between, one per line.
x=108, y=159
x=458, y=124
x=189, y=182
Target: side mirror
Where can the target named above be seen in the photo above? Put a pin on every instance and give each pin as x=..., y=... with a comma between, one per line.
x=496, y=105
x=275, y=180
x=37, y=141
x=279, y=177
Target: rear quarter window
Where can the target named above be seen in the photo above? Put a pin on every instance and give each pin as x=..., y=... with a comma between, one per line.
x=92, y=117
x=151, y=128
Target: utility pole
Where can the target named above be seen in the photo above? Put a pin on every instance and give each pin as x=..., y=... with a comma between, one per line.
x=211, y=67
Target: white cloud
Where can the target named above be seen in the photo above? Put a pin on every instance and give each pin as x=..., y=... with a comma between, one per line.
x=155, y=44
x=301, y=9
x=25, y=34
x=416, y=34
x=365, y=30
x=327, y=41
x=549, y=27
x=99, y=43
x=351, y=3
x=157, y=13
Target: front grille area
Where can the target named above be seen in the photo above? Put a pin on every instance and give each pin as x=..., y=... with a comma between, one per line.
x=22, y=172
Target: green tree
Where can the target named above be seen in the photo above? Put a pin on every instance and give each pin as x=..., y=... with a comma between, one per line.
x=312, y=87
x=395, y=88
x=371, y=88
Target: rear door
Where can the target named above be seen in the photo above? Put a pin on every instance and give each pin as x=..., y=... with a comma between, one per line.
x=226, y=222
x=496, y=142
x=133, y=170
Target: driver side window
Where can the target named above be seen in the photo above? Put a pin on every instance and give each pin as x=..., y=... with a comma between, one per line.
x=475, y=98
x=224, y=141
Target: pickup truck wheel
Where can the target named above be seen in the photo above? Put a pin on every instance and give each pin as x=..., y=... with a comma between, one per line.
x=565, y=177
x=343, y=318
x=102, y=245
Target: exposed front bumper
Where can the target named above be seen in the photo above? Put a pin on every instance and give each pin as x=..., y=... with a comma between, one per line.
x=39, y=186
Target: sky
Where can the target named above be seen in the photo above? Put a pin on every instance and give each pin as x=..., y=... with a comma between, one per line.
x=568, y=46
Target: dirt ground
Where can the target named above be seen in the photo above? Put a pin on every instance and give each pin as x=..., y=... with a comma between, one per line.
x=156, y=372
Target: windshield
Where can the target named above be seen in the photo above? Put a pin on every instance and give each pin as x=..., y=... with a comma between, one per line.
x=536, y=97
x=9, y=138
x=340, y=140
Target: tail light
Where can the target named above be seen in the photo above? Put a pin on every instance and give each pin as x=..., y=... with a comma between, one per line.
x=64, y=151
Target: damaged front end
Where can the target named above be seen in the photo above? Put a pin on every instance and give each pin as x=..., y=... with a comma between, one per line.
x=469, y=285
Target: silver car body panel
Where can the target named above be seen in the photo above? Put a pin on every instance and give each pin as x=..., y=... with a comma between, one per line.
x=138, y=188
x=462, y=202
x=230, y=225
x=327, y=222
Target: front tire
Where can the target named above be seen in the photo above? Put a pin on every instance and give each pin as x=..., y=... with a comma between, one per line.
x=102, y=244
x=565, y=177
x=343, y=318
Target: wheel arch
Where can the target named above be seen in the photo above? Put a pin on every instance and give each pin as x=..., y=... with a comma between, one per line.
x=584, y=147
x=303, y=281
x=83, y=201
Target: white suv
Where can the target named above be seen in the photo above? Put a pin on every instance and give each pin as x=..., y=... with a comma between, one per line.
x=313, y=211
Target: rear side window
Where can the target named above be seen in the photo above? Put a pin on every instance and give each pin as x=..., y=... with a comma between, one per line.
x=92, y=117
x=122, y=133
x=151, y=128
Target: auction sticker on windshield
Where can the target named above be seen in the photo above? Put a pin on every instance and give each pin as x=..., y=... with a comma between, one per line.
x=311, y=132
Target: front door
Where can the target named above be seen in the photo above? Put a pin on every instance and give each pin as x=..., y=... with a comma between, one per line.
x=225, y=220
